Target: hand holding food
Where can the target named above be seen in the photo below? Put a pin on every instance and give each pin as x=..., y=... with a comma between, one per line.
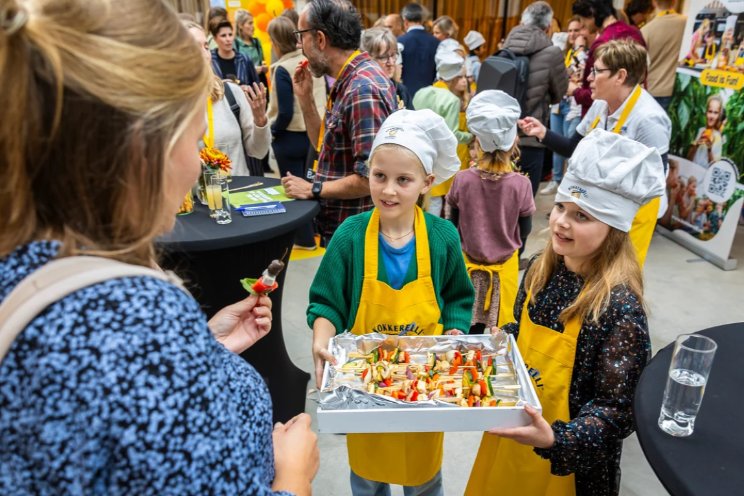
x=267, y=282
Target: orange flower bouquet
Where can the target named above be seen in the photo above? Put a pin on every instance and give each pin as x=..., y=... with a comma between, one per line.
x=213, y=162
x=214, y=159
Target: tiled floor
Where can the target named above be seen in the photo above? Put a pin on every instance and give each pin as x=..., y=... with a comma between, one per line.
x=683, y=292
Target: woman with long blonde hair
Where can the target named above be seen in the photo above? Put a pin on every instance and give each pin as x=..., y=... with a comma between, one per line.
x=582, y=329
x=117, y=383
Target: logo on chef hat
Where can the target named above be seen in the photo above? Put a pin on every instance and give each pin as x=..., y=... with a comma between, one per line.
x=578, y=192
x=392, y=132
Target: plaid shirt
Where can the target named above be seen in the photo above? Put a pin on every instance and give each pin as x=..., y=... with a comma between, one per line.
x=363, y=96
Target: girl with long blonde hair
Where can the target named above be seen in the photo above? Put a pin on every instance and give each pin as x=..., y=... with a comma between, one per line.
x=582, y=329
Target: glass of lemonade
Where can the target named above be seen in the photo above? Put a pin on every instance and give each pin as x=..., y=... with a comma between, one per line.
x=688, y=373
x=218, y=199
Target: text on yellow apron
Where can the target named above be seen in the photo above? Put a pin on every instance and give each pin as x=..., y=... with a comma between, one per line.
x=408, y=459
x=508, y=274
x=644, y=223
x=503, y=466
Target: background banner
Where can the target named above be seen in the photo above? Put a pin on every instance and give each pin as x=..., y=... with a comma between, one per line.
x=706, y=157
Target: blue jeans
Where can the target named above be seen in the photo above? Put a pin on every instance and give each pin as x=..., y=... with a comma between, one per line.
x=560, y=125
x=364, y=487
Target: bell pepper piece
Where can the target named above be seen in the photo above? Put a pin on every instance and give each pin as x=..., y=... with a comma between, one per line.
x=484, y=388
x=414, y=396
x=478, y=355
x=471, y=400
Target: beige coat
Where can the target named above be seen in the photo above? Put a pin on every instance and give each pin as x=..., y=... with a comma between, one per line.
x=290, y=61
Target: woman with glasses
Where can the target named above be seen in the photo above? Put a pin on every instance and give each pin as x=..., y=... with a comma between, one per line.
x=382, y=46
x=622, y=106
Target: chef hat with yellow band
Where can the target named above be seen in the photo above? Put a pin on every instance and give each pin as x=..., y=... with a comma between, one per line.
x=610, y=177
x=425, y=134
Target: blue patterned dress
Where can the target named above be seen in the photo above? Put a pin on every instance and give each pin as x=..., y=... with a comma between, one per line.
x=120, y=388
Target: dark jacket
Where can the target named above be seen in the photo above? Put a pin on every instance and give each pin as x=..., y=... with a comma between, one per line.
x=419, y=68
x=548, y=80
x=246, y=71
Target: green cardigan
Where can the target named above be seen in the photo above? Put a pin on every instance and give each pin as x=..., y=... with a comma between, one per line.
x=337, y=287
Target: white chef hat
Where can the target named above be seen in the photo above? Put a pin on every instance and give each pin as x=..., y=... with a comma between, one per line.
x=449, y=65
x=473, y=40
x=448, y=45
x=426, y=134
x=611, y=177
x=492, y=116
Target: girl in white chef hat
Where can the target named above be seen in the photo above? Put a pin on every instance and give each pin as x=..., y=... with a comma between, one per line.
x=395, y=270
x=492, y=206
x=582, y=330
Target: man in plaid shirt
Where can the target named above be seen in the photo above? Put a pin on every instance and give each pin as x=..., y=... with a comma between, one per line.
x=359, y=101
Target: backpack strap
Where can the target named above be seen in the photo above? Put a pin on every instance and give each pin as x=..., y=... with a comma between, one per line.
x=57, y=279
x=234, y=107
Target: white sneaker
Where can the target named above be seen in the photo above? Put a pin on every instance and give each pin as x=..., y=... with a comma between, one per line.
x=550, y=189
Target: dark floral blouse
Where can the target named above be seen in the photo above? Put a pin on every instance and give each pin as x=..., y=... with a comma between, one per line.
x=610, y=356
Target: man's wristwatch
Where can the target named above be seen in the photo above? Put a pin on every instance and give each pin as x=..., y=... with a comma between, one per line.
x=317, y=188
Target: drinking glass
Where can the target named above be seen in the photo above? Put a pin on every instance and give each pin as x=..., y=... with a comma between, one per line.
x=688, y=373
x=218, y=199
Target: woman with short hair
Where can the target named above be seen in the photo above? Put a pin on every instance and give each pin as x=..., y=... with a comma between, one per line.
x=382, y=46
x=622, y=106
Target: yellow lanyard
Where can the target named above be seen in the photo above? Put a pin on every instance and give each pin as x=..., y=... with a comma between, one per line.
x=626, y=111
x=209, y=137
x=329, y=106
x=569, y=55
x=666, y=12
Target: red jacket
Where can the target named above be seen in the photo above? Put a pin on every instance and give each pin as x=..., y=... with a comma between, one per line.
x=615, y=31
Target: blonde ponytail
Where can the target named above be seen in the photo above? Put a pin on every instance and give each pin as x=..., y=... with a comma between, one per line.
x=94, y=97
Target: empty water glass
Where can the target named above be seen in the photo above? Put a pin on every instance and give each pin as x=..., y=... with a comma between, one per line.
x=688, y=373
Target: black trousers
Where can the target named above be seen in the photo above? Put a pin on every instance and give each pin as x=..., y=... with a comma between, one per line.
x=290, y=150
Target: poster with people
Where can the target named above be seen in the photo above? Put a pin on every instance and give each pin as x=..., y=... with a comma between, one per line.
x=706, y=160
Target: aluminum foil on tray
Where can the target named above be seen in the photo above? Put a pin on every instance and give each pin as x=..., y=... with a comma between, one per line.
x=381, y=371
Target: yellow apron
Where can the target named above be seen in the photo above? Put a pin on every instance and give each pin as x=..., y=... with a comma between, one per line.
x=506, y=467
x=508, y=274
x=644, y=223
x=463, y=153
x=408, y=459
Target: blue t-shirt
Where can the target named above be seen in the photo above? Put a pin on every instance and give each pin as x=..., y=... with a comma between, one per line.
x=396, y=261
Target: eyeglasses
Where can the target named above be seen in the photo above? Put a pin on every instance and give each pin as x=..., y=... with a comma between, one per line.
x=595, y=71
x=298, y=34
x=384, y=58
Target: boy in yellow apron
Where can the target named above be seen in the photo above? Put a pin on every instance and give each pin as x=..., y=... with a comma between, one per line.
x=395, y=270
x=492, y=206
x=582, y=331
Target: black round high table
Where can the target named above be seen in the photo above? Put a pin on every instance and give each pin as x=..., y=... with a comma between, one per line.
x=212, y=259
x=710, y=461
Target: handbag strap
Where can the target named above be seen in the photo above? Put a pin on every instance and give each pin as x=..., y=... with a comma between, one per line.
x=57, y=279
